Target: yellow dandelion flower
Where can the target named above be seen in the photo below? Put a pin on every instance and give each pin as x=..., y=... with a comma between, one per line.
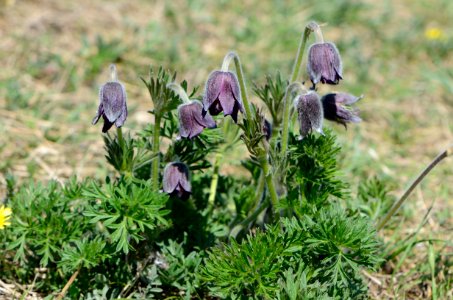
x=434, y=33
x=5, y=214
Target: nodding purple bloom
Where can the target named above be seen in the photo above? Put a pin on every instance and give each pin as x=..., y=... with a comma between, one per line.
x=324, y=63
x=191, y=121
x=176, y=180
x=267, y=129
x=112, y=105
x=222, y=94
x=337, y=108
x=310, y=113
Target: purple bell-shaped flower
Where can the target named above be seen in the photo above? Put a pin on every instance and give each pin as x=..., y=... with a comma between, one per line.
x=310, y=113
x=222, y=93
x=337, y=108
x=112, y=103
x=176, y=180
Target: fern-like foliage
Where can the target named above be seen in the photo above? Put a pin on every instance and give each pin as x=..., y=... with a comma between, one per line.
x=327, y=250
x=313, y=174
x=127, y=210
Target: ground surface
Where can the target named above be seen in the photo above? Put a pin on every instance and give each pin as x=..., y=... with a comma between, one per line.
x=55, y=54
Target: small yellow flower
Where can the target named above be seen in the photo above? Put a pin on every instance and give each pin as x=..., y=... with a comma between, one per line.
x=5, y=214
x=434, y=33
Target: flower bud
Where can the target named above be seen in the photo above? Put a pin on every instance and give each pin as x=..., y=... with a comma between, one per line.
x=310, y=113
x=191, y=121
x=324, y=63
x=267, y=129
x=176, y=180
x=112, y=103
x=222, y=93
x=337, y=108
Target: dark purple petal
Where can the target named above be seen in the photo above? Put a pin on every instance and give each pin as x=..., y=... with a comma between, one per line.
x=267, y=129
x=122, y=118
x=191, y=120
x=176, y=179
x=99, y=113
x=107, y=124
x=310, y=113
x=113, y=99
x=222, y=94
x=212, y=88
x=336, y=108
x=324, y=63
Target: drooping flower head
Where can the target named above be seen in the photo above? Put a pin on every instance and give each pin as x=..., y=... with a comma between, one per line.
x=5, y=215
x=191, y=120
x=176, y=180
x=324, y=63
x=222, y=93
x=112, y=103
x=337, y=108
x=310, y=113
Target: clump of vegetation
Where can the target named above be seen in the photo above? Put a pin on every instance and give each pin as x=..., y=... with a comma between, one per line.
x=168, y=224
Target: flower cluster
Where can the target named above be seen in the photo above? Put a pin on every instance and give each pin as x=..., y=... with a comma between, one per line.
x=324, y=66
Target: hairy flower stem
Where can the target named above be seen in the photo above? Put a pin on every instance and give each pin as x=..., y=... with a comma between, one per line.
x=156, y=148
x=237, y=63
x=257, y=209
x=312, y=26
x=248, y=115
x=119, y=133
x=414, y=184
x=180, y=91
x=215, y=179
x=113, y=73
x=68, y=284
x=286, y=117
x=300, y=51
x=215, y=172
x=270, y=185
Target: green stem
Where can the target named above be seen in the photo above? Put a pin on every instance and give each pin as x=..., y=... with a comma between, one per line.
x=286, y=113
x=240, y=74
x=119, y=133
x=270, y=184
x=246, y=222
x=156, y=149
x=214, y=180
x=215, y=171
x=414, y=184
x=180, y=91
x=113, y=73
x=300, y=51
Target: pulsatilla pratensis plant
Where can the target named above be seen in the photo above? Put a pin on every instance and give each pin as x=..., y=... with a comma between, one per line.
x=170, y=223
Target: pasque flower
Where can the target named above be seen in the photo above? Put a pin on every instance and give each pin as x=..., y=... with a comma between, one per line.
x=324, y=63
x=310, y=113
x=5, y=214
x=176, y=180
x=112, y=103
x=337, y=108
x=191, y=120
x=222, y=93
